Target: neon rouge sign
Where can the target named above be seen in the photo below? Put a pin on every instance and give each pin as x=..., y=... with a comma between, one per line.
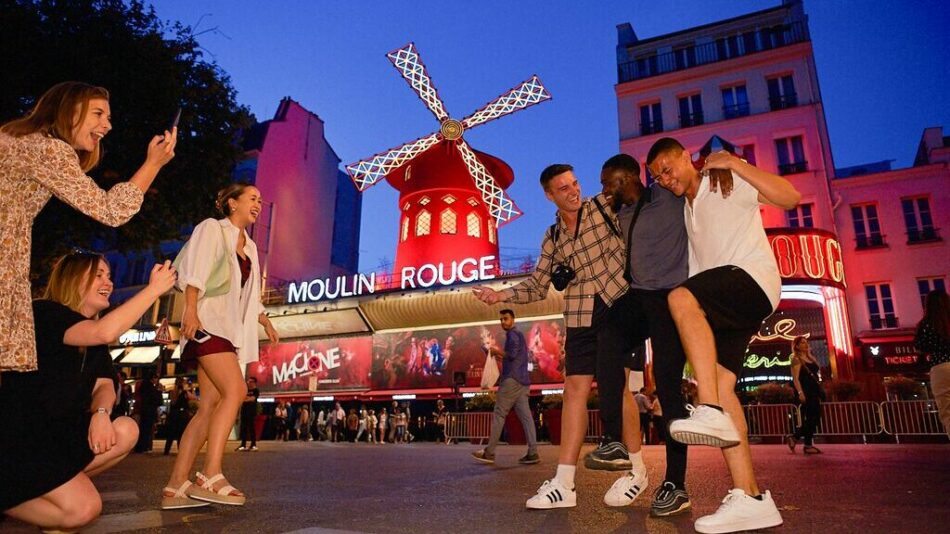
x=807, y=254
x=410, y=277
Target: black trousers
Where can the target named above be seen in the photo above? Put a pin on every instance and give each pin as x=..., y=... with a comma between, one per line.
x=247, y=429
x=811, y=417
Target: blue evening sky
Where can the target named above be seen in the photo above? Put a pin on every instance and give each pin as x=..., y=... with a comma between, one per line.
x=882, y=65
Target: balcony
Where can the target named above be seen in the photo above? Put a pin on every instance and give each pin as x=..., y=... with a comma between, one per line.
x=777, y=103
x=738, y=110
x=888, y=321
x=792, y=168
x=651, y=127
x=692, y=119
x=923, y=235
x=863, y=242
x=704, y=54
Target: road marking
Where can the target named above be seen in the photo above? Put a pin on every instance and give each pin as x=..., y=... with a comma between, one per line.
x=124, y=522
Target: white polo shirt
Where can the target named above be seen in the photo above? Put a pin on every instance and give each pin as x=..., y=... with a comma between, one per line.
x=729, y=232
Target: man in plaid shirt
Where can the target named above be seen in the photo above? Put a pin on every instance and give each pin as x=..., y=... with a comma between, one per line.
x=586, y=240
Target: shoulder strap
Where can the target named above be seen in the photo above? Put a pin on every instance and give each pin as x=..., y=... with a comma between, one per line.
x=607, y=218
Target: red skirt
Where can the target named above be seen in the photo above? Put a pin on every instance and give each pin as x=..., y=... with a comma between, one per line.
x=194, y=350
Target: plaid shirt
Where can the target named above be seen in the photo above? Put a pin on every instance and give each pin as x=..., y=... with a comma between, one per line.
x=597, y=256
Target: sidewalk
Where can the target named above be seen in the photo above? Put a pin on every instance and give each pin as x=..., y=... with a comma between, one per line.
x=428, y=487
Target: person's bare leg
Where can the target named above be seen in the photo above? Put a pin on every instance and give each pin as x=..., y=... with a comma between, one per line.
x=631, y=417
x=224, y=371
x=126, y=435
x=739, y=457
x=698, y=343
x=71, y=506
x=574, y=418
x=196, y=433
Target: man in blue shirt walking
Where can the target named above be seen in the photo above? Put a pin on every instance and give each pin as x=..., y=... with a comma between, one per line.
x=513, y=387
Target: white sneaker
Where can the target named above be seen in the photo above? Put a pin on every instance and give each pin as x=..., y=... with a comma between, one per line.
x=739, y=511
x=552, y=494
x=626, y=489
x=705, y=426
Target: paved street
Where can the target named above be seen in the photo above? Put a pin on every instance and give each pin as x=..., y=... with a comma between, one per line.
x=428, y=487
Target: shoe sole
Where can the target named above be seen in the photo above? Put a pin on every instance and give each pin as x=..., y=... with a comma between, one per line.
x=183, y=506
x=551, y=506
x=750, y=524
x=693, y=438
x=483, y=460
x=607, y=465
x=682, y=508
x=528, y=462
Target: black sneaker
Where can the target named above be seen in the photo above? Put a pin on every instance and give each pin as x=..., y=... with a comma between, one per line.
x=530, y=458
x=611, y=456
x=483, y=457
x=669, y=500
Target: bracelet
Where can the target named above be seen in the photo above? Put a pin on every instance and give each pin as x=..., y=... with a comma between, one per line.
x=102, y=411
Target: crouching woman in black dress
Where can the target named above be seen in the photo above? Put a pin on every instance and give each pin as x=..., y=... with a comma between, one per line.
x=55, y=430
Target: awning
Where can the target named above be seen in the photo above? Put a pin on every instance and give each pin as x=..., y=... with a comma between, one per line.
x=115, y=353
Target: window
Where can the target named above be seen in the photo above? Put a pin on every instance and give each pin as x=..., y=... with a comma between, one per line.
x=405, y=207
x=880, y=306
x=800, y=216
x=735, y=102
x=691, y=110
x=926, y=285
x=685, y=57
x=491, y=230
x=775, y=36
x=472, y=202
x=404, y=234
x=791, y=155
x=448, y=199
x=748, y=153
x=647, y=65
x=424, y=200
x=917, y=219
x=867, y=228
x=473, y=224
x=423, y=223
x=782, y=92
x=651, y=119
x=727, y=47
x=448, y=223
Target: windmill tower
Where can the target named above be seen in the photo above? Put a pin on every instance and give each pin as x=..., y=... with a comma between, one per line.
x=451, y=197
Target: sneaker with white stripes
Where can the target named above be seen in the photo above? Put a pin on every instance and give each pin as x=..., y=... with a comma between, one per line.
x=626, y=489
x=705, y=426
x=552, y=494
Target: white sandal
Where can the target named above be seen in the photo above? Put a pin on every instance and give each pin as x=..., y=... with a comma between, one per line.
x=180, y=498
x=207, y=493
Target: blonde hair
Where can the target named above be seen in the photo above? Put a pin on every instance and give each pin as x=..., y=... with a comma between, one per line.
x=55, y=115
x=795, y=343
x=232, y=191
x=66, y=283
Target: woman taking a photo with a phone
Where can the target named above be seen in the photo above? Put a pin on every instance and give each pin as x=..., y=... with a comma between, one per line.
x=220, y=276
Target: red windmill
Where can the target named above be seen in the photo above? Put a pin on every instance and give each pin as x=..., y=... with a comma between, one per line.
x=451, y=198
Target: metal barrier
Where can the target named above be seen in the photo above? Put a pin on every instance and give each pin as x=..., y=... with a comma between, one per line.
x=850, y=419
x=911, y=418
x=468, y=425
x=771, y=419
x=595, y=427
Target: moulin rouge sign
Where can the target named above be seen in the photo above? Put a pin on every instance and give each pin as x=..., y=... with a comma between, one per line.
x=807, y=255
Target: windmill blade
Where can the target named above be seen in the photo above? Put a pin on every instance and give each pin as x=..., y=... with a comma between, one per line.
x=369, y=171
x=529, y=93
x=413, y=70
x=500, y=205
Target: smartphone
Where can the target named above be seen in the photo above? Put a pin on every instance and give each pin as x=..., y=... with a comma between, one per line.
x=174, y=122
x=201, y=336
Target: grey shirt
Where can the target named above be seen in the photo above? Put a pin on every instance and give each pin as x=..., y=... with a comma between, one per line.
x=658, y=254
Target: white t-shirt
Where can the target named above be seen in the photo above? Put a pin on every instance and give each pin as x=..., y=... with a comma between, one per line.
x=729, y=232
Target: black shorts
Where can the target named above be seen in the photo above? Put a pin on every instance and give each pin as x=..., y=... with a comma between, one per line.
x=735, y=307
x=617, y=331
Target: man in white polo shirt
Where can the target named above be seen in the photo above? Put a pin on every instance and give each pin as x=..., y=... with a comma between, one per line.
x=733, y=286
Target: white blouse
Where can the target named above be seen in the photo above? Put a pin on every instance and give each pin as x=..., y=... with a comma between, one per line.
x=234, y=315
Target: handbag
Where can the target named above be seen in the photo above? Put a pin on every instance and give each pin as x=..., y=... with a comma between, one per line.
x=821, y=388
x=219, y=280
x=490, y=372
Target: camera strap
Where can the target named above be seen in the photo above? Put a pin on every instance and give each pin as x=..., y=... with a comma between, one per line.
x=607, y=218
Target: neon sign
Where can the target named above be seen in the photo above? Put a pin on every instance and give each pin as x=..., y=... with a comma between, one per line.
x=783, y=328
x=410, y=277
x=807, y=254
x=753, y=361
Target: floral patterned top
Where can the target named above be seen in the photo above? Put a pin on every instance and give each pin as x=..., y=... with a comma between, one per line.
x=33, y=168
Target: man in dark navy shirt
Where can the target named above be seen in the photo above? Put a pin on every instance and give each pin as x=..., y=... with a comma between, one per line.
x=513, y=387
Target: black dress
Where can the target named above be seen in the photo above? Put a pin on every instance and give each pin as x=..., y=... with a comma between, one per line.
x=44, y=414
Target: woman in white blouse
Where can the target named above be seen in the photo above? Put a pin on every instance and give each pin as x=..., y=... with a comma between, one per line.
x=220, y=276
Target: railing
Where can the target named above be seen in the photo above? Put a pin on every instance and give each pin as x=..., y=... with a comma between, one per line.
x=887, y=321
x=923, y=235
x=736, y=110
x=792, y=168
x=869, y=241
x=894, y=418
x=783, y=102
x=651, y=127
x=692, y=56
x=691, y=119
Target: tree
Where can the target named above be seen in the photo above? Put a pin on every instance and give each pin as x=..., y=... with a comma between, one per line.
x=150, y=68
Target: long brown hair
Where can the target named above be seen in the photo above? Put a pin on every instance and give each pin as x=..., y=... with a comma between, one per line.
x=232, y=191
x=795, y=342
x=55, y=115
x=937, y=312
x=66, y=283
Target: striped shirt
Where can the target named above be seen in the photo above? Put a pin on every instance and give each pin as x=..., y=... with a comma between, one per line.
x=596, y=254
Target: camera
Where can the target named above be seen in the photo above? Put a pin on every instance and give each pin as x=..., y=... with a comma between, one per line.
x=561, y=276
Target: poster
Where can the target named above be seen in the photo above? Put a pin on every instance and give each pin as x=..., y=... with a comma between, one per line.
x=314, y=365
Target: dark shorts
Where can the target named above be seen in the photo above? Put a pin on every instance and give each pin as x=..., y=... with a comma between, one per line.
x=194, y=350
x=614, y=332
x=735, y=307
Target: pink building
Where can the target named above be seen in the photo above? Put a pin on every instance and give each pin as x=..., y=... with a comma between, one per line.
x=889, y=223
